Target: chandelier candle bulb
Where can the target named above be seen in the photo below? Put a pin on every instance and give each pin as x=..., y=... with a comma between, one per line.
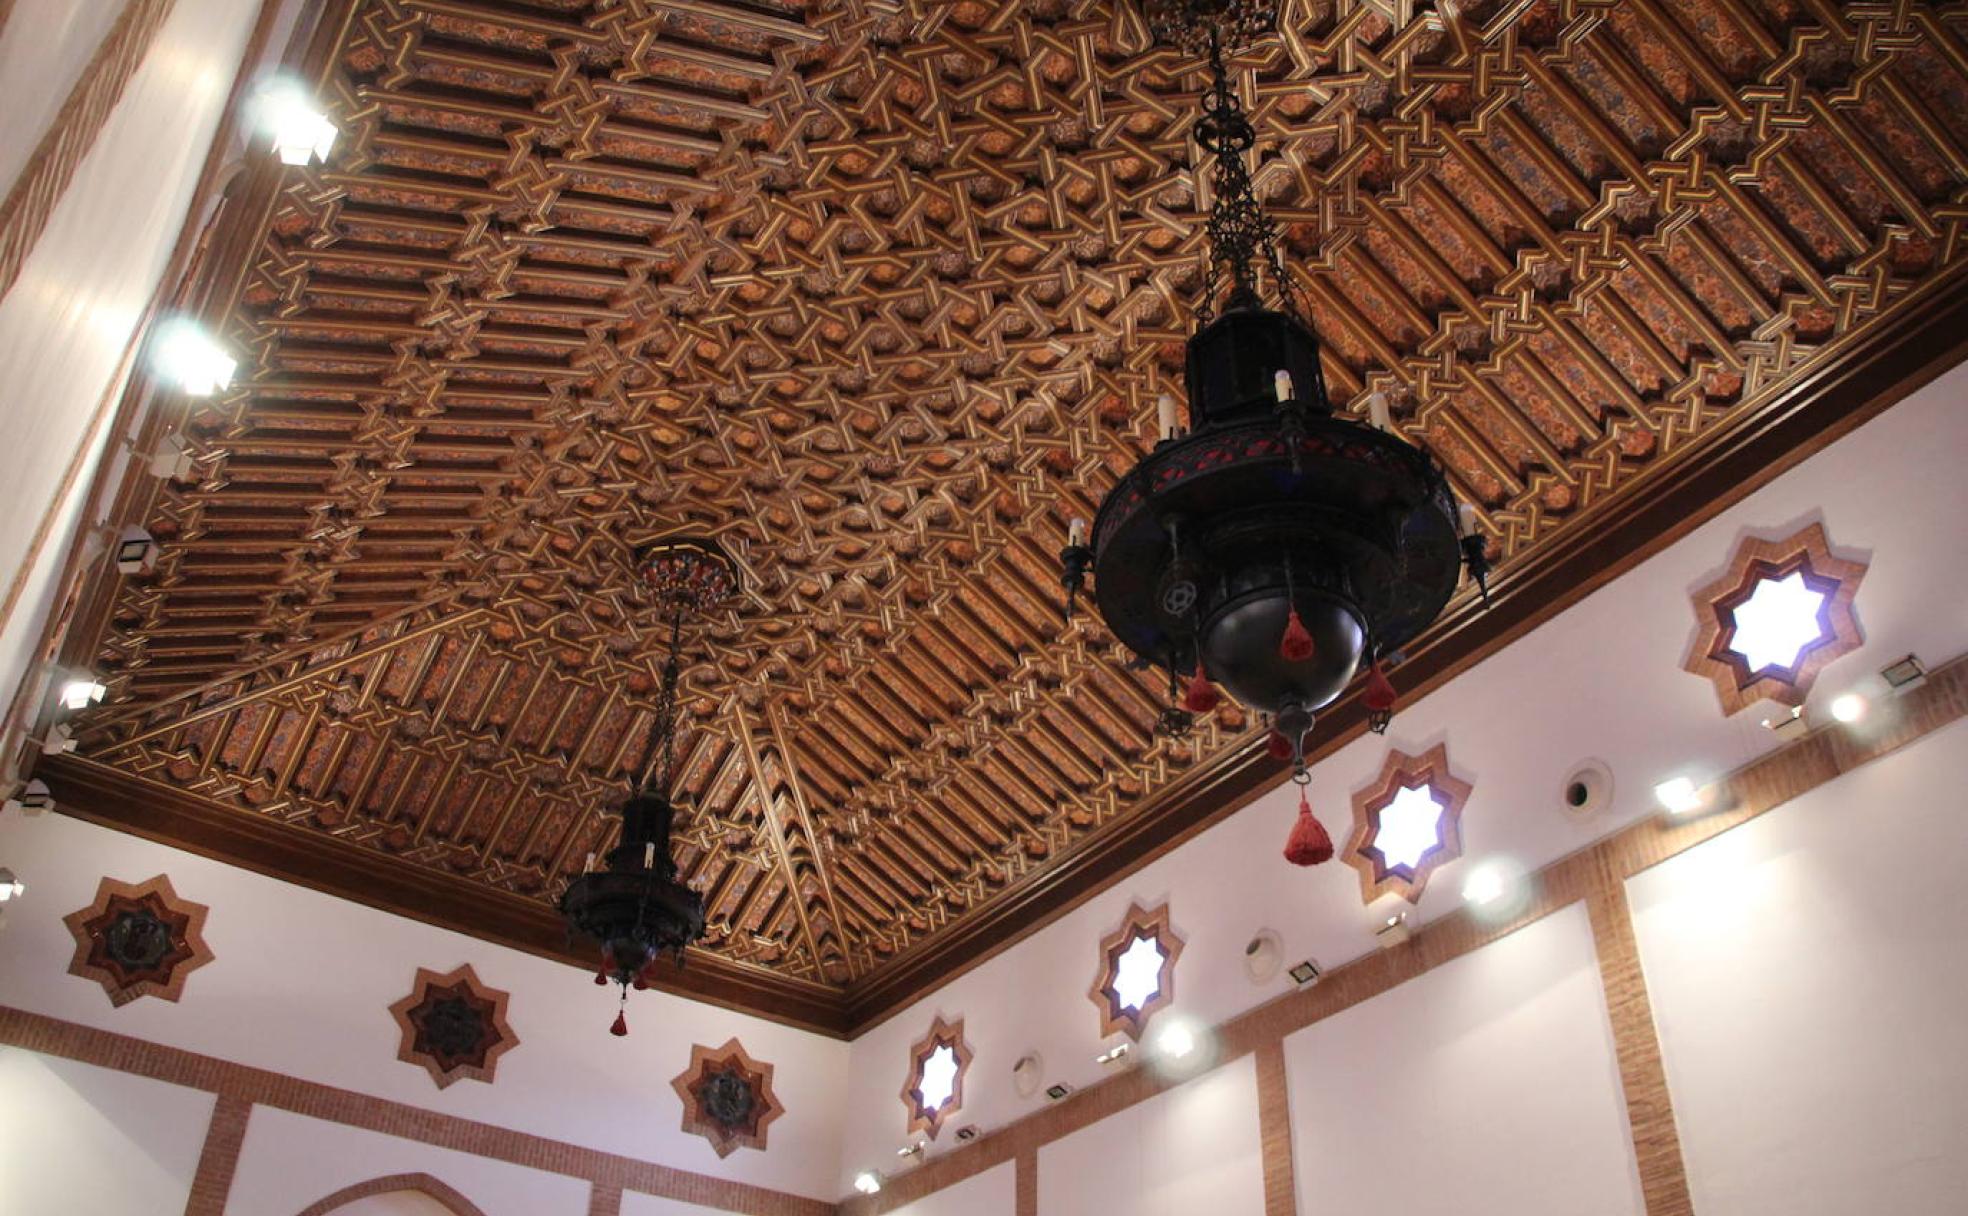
x=1281, y=381
x=1377, y=412
x=1076, y=533
x=1466, y=517
x=587, y=866
x=1167, y=421
x=649, y=855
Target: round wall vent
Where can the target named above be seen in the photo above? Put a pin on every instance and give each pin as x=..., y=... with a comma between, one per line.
x=1028, y=1074
x=1262, y=956
x=1587, y=790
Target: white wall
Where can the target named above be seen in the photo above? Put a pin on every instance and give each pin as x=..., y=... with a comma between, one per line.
x=289, y=1161
x=66, y=322
x=302, y=983
x=84, y=1141
x=1486, y=1087
x=1808, y=981
x=1601, y=680
x=991, y=1193
x=1188, y=1150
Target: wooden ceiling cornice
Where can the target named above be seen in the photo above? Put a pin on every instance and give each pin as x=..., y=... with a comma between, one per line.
x=881, y=294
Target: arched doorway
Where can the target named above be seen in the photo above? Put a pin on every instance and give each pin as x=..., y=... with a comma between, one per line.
x=416, y=1194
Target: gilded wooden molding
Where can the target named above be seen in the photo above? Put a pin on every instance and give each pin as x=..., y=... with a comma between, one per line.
x=138, y=940
x=923, y=1118
x=1138, y=924
x=1398, y=772
x=453, y=1026
x=727, y=1097
x=1807, y=553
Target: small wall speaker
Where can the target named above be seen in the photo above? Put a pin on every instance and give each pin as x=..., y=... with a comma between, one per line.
x=1587, y=790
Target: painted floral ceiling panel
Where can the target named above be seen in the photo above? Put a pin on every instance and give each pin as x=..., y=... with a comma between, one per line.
x=882, y=294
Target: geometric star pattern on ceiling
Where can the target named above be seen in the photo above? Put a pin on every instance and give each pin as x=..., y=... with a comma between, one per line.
x=934, y=1088
x=1136, y=977
x=138, y=940
x=727, y=1097
x=453, y=1025
x=1776, y=616
x=881, y=296
x=1407, y=824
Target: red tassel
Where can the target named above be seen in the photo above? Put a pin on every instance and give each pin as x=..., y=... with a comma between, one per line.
x=1279, y=746
x=601, y=978
x=1379, y=695
x=1296, y=645
x=1308, y=844
x=1201, y=696
x=621, y=1026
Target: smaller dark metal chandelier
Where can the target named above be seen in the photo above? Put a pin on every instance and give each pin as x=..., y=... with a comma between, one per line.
x=632, y=905
x=1272, y=547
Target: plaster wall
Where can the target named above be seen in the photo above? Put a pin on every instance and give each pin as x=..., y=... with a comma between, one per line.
x=1194, y=1148
x=991, y=1193
x=1487, y=1087
x=1600, y=680
x=301, y=984
x=85, y=1141
x=68, y=319
x=1808, y=979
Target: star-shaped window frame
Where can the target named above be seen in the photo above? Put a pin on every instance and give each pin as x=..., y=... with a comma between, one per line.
x=923, y=1118
x=412, y=1019
x=1140, y=924
x=1400, y=771
x=699, y=1117
x=98, y=956
x=1806, y=552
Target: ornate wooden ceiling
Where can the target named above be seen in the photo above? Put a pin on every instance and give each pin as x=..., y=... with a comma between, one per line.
x=881, y=294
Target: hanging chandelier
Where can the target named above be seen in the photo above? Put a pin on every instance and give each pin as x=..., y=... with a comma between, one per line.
x=632, y=904
x=1270, y=546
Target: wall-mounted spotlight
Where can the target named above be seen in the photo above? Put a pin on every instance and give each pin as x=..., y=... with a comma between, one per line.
x=136, y=551
x=1680, y=796
x=10, y=887
x=82, y=693
x=1113, y=1055
x=285, y=113
x=185, y=355
x=1393, y=931
x=868, y=1182
x=1849, y=707
x=32, y=799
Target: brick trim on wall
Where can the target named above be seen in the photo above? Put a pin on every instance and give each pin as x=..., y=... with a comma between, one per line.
x=26, y=210
x=421, y=1183
x=1596, y=875
x=218, y=1160
x=261, y=1087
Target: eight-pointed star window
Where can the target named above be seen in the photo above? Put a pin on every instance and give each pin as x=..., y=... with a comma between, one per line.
x=1773, y=620
x=1407, y=824
x=934, y=1088
x=1136, y=977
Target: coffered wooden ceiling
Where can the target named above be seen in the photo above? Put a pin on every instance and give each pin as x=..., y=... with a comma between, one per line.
x=881, y=295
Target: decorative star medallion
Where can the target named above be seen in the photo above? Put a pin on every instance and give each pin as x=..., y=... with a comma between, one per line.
x=727, y=1097
x=1407, y=824
x=453, y=1025
x=1137, y=972
x=1774, y=619
x=138, y=940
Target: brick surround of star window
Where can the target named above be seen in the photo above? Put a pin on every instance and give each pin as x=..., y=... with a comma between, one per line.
x=1806, y=552
x=1379, y=874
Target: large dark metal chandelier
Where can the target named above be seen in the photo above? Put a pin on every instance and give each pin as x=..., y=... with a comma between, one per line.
x=632, y=904
x=1271, y=547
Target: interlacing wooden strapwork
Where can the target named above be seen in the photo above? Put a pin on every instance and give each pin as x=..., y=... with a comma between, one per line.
x=880, y=294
